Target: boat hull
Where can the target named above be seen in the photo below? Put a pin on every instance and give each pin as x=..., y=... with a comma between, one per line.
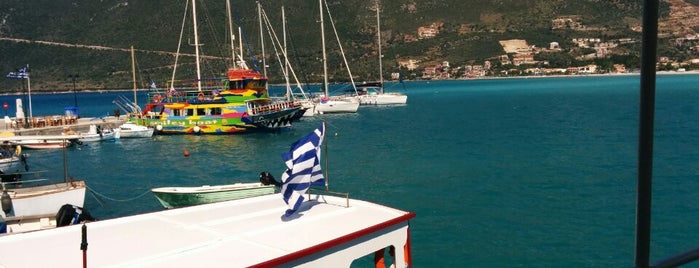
x=383, y=99
x=173, y=197
x=336, y=106
x=45, y=199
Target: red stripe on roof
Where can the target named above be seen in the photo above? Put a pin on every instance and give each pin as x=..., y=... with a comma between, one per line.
x=335, y=242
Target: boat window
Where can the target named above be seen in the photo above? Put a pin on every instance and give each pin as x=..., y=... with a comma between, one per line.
x=201, y=111
x=190, y=112
x=215, y=111
x=176, y=112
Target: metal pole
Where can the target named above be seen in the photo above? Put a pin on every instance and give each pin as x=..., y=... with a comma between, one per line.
x=75, y=94
x=645, y=141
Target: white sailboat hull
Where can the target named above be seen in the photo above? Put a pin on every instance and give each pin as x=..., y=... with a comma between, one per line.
x=383, y=99
x=336, y=106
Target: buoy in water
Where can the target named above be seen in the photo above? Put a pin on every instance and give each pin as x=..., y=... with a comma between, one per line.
x=186, y=153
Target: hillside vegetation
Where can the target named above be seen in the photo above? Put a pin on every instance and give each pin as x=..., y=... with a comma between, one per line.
x=59, y=38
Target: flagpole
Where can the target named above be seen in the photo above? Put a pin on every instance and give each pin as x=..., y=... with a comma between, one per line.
x=29, y=90
x=325, y=134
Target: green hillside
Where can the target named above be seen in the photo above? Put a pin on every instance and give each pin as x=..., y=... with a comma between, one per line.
x=469, y=34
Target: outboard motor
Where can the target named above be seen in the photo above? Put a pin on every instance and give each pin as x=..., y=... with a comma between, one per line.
x=268, y=179
x=69, y=215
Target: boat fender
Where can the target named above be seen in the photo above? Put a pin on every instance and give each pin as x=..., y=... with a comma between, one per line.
x=69, y=215
x=6, y=201
x=196, y=129
x=267, y=179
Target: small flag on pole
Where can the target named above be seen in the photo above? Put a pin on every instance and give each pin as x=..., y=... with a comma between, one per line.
x=21, y=74
x=303, y=169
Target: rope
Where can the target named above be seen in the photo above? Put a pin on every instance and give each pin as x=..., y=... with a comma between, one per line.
x=117, y=200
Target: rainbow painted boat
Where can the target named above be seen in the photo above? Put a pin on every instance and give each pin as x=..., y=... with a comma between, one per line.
x=238, y=103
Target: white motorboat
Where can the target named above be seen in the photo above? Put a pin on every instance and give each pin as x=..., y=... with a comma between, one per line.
x=131, y=130
x=35, y=205
x=97, y=133
x=41, y=141
x=12, y=162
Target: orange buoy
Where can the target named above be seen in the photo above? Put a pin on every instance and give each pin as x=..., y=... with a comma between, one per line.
x=186, y=153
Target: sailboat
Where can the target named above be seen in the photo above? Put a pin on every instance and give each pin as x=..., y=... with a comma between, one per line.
x=373, y=92
x=326, y=103
x=236, y=103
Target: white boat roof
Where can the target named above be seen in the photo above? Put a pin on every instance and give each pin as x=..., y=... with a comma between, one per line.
x=239, y=233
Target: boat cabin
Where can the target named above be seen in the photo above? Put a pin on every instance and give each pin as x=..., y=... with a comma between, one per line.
x=327, y=231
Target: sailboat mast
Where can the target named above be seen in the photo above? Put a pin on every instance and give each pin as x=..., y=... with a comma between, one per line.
x=378, y=36
x=133, y=74
x=325, y=60
x=289, y=95
x=196, y=43
x=262, y=42
x=240, y=46
x=230, y=30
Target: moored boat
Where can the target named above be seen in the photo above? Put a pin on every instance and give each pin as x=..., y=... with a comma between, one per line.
x=372, y=93
x=41, y=141
x=131, y=130
x=33, y=205
x=12, y=162
x=237, y=103
x=97, y=133
x=173, y=197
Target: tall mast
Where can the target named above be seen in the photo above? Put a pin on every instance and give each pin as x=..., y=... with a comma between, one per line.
x=325, y=60
x=133, y=74
x=262, y=42
x=196, y=43
x=230, y=30
x=378, y=36
x=289, y=96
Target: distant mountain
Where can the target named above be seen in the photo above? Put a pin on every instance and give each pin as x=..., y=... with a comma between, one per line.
x=92, y=39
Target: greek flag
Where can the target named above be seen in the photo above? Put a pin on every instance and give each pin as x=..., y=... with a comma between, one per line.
x=21, y=74
x=303, y=169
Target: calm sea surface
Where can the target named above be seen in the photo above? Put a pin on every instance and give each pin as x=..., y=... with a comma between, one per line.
x=501, y=173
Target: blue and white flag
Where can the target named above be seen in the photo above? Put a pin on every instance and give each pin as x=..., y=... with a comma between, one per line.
x=303, y=169
x=21, y=74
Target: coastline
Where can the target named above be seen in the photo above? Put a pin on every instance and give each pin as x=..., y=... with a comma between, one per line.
x=692, y=72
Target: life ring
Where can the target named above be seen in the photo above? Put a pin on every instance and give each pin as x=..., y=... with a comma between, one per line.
x=156, y=98
x=200, y=97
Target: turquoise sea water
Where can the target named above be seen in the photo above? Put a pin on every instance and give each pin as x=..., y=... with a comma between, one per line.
x=501, y=173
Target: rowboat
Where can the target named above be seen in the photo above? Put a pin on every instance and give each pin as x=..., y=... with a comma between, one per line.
x=173, y=197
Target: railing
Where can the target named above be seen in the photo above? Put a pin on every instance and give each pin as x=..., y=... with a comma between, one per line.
x=41, y=121
x=273, y=107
